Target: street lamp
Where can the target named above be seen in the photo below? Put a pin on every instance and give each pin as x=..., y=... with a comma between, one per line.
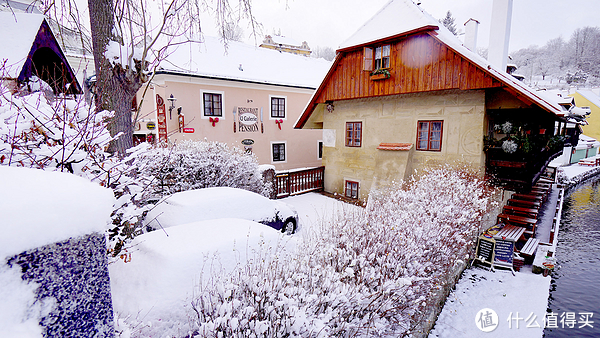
x=172, y=100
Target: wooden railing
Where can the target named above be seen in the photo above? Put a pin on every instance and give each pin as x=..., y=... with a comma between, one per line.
x=291, y=183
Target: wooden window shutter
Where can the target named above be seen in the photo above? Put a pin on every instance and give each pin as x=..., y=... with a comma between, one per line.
x=368, y=58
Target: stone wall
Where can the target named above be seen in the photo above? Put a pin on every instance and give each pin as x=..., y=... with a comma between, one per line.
x=73, y=276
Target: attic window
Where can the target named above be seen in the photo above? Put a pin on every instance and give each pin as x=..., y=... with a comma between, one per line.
x=378, y=60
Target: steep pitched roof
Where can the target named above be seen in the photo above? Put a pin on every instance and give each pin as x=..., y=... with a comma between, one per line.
x=18, y=33
x=399, y=18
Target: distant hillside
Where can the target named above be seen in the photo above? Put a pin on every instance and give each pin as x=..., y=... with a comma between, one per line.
x=560, y=63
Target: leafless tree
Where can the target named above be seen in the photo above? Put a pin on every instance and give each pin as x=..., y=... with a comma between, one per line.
x=130, y=39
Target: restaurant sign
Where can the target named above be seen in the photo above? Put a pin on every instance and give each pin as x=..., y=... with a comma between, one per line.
x=248, y=118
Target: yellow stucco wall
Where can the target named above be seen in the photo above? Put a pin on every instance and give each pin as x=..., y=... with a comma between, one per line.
x=393, y=119
x=593, y=127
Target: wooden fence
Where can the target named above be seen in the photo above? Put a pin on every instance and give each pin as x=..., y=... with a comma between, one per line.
x=298, y=182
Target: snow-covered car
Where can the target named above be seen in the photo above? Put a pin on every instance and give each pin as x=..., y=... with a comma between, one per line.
x=221, y=202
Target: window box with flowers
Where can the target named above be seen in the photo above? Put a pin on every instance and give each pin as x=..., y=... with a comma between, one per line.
x=380, y=74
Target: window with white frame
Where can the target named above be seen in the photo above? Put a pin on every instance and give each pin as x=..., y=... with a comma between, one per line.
x=278, y=152
x=213, y=104
x=278, y=110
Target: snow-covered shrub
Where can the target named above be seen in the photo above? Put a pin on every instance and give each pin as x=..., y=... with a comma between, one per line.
x=370, y=273
x=150, y=173
x=39, y=130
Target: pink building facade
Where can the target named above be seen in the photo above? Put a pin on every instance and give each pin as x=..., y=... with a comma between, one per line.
x=252, y=104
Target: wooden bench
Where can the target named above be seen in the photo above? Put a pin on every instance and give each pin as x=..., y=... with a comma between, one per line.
x=518, y=220
x=527, y=197
x=520, y=211
x=524, y=204
x=530, y=247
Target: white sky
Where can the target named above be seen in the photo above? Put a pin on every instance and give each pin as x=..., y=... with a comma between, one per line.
x=327, y=23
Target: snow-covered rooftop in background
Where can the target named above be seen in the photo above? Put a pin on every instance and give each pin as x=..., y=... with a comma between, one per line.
x=18, y=33
x=404, y=16
x=243, y=62
x=42, y=207
x=285, y=40
x=590, y=96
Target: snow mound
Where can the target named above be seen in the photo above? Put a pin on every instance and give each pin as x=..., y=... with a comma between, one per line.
x=40, y=207
x=165, y=267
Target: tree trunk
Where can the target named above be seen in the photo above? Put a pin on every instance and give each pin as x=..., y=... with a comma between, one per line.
x=116, y=86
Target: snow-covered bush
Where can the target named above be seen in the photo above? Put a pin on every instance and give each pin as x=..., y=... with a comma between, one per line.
x=150, y=173
x=39, y=130
x=509, y=146
x=367, y=274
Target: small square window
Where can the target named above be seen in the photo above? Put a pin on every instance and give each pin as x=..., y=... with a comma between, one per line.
x=429, y=135
x=278, y=152
x=213, y=104
x=351, y=190
x=278, y=107
x=353, y=134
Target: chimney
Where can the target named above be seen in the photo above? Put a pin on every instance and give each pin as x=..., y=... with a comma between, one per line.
x=471, y=28
x=500, y=33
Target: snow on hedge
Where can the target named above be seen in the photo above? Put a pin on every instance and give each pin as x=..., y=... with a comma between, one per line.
x=42, y=207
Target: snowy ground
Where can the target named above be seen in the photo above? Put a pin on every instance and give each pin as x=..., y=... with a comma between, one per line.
x=520, y=299
x=153, y=286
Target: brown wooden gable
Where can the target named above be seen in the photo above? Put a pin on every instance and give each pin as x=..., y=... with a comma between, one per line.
x=419, y=63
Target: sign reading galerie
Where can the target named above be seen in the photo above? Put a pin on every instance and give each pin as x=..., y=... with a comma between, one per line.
x=248, y=118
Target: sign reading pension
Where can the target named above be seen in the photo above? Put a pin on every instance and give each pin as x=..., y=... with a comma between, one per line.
x=248, y=118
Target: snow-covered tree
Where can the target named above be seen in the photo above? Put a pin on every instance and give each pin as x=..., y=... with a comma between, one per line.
x=129, y=40
x=448, y=22
x=40, y=130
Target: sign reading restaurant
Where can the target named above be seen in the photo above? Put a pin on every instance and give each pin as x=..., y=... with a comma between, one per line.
x=248, y=119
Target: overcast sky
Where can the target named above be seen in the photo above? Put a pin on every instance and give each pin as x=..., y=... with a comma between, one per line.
x=327, y=23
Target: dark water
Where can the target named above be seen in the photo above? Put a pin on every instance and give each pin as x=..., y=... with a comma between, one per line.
x=576, y=282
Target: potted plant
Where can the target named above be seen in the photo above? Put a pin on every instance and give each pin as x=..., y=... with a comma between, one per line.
x=380, y=74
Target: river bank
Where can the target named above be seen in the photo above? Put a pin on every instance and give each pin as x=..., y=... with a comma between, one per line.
x=500, y=304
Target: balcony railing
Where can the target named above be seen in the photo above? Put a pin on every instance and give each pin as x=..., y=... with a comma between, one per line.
x=296, y=182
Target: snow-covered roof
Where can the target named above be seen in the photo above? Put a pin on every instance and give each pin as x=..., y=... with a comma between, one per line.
x=400, y=17
x=245, y=62
x=590, y=96
x=394, y=18
x=18, y=33
x=283, y=40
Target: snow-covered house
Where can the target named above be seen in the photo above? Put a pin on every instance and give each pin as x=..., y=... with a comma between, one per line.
x=404, y=93
x=242, y=95
x=285, y=44
x=31, y=51
x=587, y=98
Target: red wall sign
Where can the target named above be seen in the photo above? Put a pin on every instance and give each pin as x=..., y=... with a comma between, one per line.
x=188, y=130
x=161, y=116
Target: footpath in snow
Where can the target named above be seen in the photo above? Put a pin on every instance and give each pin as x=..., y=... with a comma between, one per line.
x=503, y=304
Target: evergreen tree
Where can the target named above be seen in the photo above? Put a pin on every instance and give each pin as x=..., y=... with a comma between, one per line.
x=448, y=22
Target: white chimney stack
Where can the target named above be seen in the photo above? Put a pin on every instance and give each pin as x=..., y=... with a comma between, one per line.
x=500, y=33
x=471, y=28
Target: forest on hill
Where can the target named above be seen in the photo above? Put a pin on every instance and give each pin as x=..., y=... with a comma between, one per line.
x=562, y=63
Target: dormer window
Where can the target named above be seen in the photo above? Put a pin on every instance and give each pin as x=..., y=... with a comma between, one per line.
x=380, y=59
